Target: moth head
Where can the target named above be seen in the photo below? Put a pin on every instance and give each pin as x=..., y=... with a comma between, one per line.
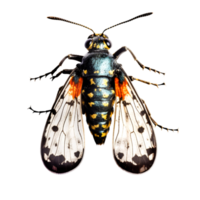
x=98, y=42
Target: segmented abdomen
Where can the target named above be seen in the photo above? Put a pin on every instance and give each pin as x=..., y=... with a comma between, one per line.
x=97, y=99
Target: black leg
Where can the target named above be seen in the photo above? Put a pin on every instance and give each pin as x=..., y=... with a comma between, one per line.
x=57, y=70
x=126, y=49
x=65, y=71
x=148, y=83
x=161, y=127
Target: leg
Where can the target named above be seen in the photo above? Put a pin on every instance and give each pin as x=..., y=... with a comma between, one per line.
x=145, y=82
x=57, y=71
x=124, y=49
x=65, y=71
x=161, y=127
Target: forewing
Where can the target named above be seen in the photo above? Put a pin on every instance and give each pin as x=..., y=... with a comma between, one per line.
x=63, y=141
x=134, y=143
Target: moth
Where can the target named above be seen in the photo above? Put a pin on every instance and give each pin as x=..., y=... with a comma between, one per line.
x=96, y=85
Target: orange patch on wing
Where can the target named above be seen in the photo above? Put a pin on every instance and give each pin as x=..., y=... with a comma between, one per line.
x=117, y=88
x=121, y=88
x=75, y=88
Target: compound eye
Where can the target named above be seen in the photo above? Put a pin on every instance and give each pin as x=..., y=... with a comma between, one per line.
x=88, y=43
x=108, y=43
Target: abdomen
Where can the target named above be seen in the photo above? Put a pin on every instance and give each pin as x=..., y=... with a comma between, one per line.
x=98, y=95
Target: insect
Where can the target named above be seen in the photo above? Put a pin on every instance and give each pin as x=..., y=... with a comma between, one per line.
x=96, y=85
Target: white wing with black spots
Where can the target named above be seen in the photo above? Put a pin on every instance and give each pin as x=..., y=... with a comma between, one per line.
x=134, y=143
x=63, y=139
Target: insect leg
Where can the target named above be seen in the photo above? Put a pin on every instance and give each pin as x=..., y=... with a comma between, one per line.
x=161, y=127
x=145, y=82
x=124, y=49
x=65, y=71
x=57, y=71
x=31, y=110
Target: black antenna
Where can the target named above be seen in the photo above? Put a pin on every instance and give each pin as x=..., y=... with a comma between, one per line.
x=69, y=21
x=138, y=16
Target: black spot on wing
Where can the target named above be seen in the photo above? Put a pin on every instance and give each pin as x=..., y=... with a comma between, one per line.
x=125, y=103
x=58, y=165
x=142, y=164
x=140, y=160
x=151, y=150
x=141, y=129
x=56, y=159
x=55, y=128
x=71, y=103
x=77, y=154
x=142, y=112
x=120, y=155
x=128, y=166
x=45, y=150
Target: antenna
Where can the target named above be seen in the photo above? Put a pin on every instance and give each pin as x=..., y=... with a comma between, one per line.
x=138, y=16
x=69, y=21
